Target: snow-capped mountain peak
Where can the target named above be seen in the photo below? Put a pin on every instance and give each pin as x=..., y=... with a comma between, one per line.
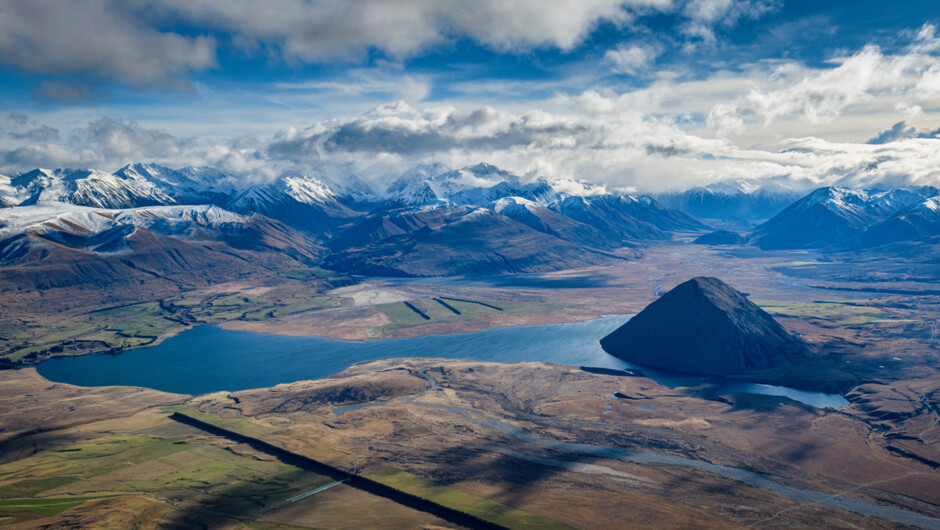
x=472, y=185
x=507, y=204
x=307, y=190
x=85, y=187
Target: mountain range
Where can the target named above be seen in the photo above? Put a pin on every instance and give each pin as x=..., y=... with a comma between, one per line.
x=113, y=255
x=430, y=221
x=740, y=199
x=843, y=218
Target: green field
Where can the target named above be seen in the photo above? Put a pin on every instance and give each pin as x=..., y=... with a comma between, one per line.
x=45, y=506
x=164, y=460
x=403, y=317
x=460, y=500
x=178, y=463
x=314, y=273
x=239, y=425
x=141, y=324
x=842, y=313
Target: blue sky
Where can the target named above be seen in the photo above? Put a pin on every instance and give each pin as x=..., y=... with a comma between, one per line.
x=639, y=94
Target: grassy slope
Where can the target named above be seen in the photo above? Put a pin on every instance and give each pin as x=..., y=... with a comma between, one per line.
x=460, y=500
x=45, y=506
x=403, y=317
x=188, y=467
x=846, y=314
x=141, y=324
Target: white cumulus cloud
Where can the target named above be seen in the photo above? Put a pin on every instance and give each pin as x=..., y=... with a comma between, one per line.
x=101, y=37
x=820, y=95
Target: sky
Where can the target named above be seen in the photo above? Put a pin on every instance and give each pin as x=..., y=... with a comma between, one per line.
x=640, y=95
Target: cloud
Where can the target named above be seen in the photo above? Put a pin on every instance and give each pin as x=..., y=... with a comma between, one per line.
x=631, y=59
x=127, y=40
x=703, y=15
x=43, y=133
x=596, y=138
x=650, y=139
x=355, y=85
x=61, y=91
x=911, y=162
x=592, y=137
x=21, y=127
x=19, y=119
x=311, y=31
x=926, y=40
x=820, y=95
x=400, y=130
x=134, y=41
x=104, y=143
x=901, y=131
x=115, y=139
x=106, y=38
x=36, y=155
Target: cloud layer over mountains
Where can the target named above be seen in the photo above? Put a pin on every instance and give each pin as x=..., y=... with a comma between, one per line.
x=586, y=138
x=630, y=113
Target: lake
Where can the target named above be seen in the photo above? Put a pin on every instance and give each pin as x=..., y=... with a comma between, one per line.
x=209, y=358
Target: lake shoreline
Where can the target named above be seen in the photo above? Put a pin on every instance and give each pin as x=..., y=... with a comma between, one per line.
x=237, y=360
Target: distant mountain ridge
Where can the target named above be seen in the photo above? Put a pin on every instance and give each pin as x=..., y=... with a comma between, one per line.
x=843, y=217
x=62, y=245
x=478, y=219
x=738, y=199
x=826, y=217
x=85, y=188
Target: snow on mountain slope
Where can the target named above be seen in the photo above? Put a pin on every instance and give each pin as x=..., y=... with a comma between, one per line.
x=8, y=194
x=178, y=221
x=510, y=205
x=888, y=203
x=538, y=217
x=831, y=216
x=350, y=189
x=433, y=184
x=416, y=186
x=477, y=176
x=540, y=192
x=647, y=209
x=384, y=224
x=186, y=186
x=86, y=188
x=919, y=221
x=33, y=233
x=740, y=199
x=824, y=217
x=600, y=213
x=303, y=202
x=69, y=216
x=465, y=241
x=625, y=217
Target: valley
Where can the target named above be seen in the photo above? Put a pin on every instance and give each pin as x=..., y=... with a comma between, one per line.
x=428, y=265
x=474, y=380
x=524, y=434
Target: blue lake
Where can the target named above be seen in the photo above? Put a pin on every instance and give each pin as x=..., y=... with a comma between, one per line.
x=209, y=359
